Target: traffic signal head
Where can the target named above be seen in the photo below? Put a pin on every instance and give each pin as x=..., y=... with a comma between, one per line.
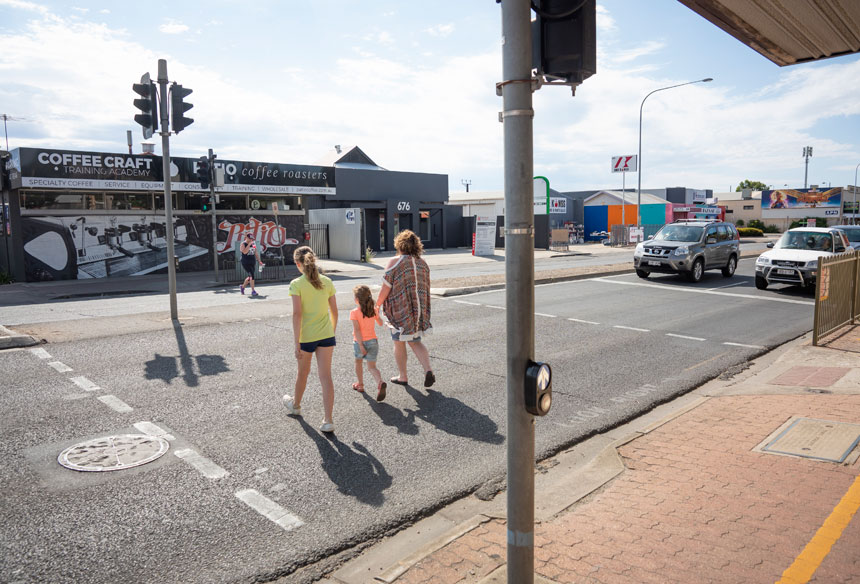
x=147, y=104
x=538, y=388
x=207, y=203
x=204, y=172
x=178, y=107
x=564, y=40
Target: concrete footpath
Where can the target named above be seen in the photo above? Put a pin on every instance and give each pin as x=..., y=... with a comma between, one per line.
x=753, y=477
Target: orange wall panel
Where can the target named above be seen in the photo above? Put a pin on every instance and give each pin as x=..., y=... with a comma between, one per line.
x=614, y=215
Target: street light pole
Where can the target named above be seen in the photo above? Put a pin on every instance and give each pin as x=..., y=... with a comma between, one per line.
x=854, y=188
x=639, y=185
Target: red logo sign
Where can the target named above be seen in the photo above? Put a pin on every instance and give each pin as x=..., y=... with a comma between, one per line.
x=268, y=234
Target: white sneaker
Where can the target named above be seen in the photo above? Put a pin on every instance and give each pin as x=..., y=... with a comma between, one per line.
x=327, y=427
x=291, y=408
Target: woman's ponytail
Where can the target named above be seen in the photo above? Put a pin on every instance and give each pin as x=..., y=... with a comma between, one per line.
x=308, y=260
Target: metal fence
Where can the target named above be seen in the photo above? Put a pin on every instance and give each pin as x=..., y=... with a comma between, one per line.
x=837, y=294
x=319, y=240
x=620, y=234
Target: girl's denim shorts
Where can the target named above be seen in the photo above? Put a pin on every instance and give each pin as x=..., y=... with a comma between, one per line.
x=372, y=348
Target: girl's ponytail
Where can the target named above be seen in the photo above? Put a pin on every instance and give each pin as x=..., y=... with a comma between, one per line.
x=365, y=300
x=305, y=256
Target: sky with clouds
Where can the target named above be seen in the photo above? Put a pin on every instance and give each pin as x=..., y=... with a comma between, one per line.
x=413, y=84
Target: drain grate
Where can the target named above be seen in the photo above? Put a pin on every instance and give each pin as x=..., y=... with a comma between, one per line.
x=817, y=439
x=113, y=453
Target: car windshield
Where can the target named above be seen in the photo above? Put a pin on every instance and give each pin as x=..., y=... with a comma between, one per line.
x=679, y=233
x=805, y=240
x=853, y=234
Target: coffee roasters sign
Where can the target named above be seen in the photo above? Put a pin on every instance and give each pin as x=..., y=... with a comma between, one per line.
x=67, y=169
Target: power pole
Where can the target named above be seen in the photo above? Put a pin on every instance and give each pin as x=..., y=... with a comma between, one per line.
x=214, y=219
x=466, y=182
x=168, y=198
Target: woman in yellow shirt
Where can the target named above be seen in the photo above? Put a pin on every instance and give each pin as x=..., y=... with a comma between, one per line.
x=314, y=325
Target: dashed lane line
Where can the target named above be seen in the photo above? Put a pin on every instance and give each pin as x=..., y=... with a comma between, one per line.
x=60, y=367
x=546, y=315
x=631, y=328
x=269, y=509
x=582, y=321
x=114, y=403
x=203, y=465
x=153, y=430
x=744, y=345
x=705, y=291
x=469, y=303
x=84, y=383
x=685, y=337
x=41, y=353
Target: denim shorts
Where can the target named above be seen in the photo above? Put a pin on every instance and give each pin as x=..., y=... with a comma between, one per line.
x=312, y=346
x=372, y=348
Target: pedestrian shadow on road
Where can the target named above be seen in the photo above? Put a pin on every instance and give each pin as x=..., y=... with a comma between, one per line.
x=454, y=417
x=166, y=368
x=355, y=471
x=391, y=416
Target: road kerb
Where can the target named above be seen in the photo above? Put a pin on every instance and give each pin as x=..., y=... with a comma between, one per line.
x=10, y=339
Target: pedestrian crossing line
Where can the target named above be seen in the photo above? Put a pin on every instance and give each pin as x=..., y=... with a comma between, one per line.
x=60, y=367
x=84, y=383
x=808, y=561
x=204, y=466
x=41, y=353
x=269, y=509
x=114, y=403
x=151, y=429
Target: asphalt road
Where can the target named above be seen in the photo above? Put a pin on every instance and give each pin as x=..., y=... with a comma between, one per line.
x=256, y=493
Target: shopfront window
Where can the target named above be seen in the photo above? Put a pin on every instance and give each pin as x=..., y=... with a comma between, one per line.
x=118, y=201
x=261, y=203
x=232, y=203
x=51, y=200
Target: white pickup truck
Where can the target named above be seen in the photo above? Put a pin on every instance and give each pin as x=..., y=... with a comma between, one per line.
x=794, y=257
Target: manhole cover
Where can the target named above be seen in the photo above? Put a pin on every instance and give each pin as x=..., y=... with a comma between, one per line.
x=113, y=452
x=818, y=439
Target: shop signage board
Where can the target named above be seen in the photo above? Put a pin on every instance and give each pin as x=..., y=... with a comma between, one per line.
x=636, y=234
x=67, y=169
x=541, y=195
x=484, y=242
x=558, y=205
x=350, y=216
x=626, y=163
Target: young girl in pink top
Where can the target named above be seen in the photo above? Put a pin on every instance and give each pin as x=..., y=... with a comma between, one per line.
x=366, y=346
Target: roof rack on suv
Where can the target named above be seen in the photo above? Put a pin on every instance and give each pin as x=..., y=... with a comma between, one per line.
x=697, y=221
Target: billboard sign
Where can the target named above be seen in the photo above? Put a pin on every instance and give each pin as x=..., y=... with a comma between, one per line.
x=627, y=163
x=801, y=199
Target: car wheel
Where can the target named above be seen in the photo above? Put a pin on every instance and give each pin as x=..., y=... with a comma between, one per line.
x=695, y=274
x=730, y=268
x=760, y=283
x=642, y=273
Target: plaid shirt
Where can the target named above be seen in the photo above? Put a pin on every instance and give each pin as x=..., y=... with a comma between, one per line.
x=407, y=306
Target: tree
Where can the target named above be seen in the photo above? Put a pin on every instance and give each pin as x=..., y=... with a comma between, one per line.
x=751, y=184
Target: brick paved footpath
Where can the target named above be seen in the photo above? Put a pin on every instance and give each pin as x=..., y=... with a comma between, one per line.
x=695, y=504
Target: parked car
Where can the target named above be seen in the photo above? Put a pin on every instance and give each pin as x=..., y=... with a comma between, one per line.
x=852, y=232
x=689, y=248
x=794, y=257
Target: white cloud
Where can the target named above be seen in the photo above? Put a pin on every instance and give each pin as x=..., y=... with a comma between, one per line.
x=380, y=37
x=173, y=27
x=440, y=30
x=23, y=5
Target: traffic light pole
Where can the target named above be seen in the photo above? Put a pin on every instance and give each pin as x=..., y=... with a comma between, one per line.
x=214, y=219
x=168, y=198
x=519, y=283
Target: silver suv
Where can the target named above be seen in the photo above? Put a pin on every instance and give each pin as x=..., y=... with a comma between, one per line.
x=689, y=248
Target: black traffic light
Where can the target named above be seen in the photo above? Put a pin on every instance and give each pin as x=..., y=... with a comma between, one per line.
x=204, y=172
x=178, y=107
x=538, y=387
x=207, y=202
x=147, y=104
x=564, y=39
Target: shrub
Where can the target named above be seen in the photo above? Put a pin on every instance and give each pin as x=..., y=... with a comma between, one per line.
x=771, y=229
x=756, y=224
x=750, y=232
x=739, y=223
x=6, y=278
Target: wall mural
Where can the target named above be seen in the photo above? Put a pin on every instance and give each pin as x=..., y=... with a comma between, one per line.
x=101, y=246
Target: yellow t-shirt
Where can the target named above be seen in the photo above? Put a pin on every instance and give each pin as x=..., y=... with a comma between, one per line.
x=316, y=322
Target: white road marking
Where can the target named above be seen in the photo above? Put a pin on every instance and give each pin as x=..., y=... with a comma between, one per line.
x=204, y=466
x=60, y=367
x=727, y=286
x=546, y=315
x=714, y=292
x=151, y=429
x=41, y=353
x=745, y=346
x=631, y=328
x=685, y=337
x=582, y=321
x=269, y=509
x=469, y=303
x=84, y=383
x=114, y=403
x=496, y=307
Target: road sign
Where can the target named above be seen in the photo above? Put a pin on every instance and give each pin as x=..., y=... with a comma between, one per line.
x=541, y=195
x=624, y=163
